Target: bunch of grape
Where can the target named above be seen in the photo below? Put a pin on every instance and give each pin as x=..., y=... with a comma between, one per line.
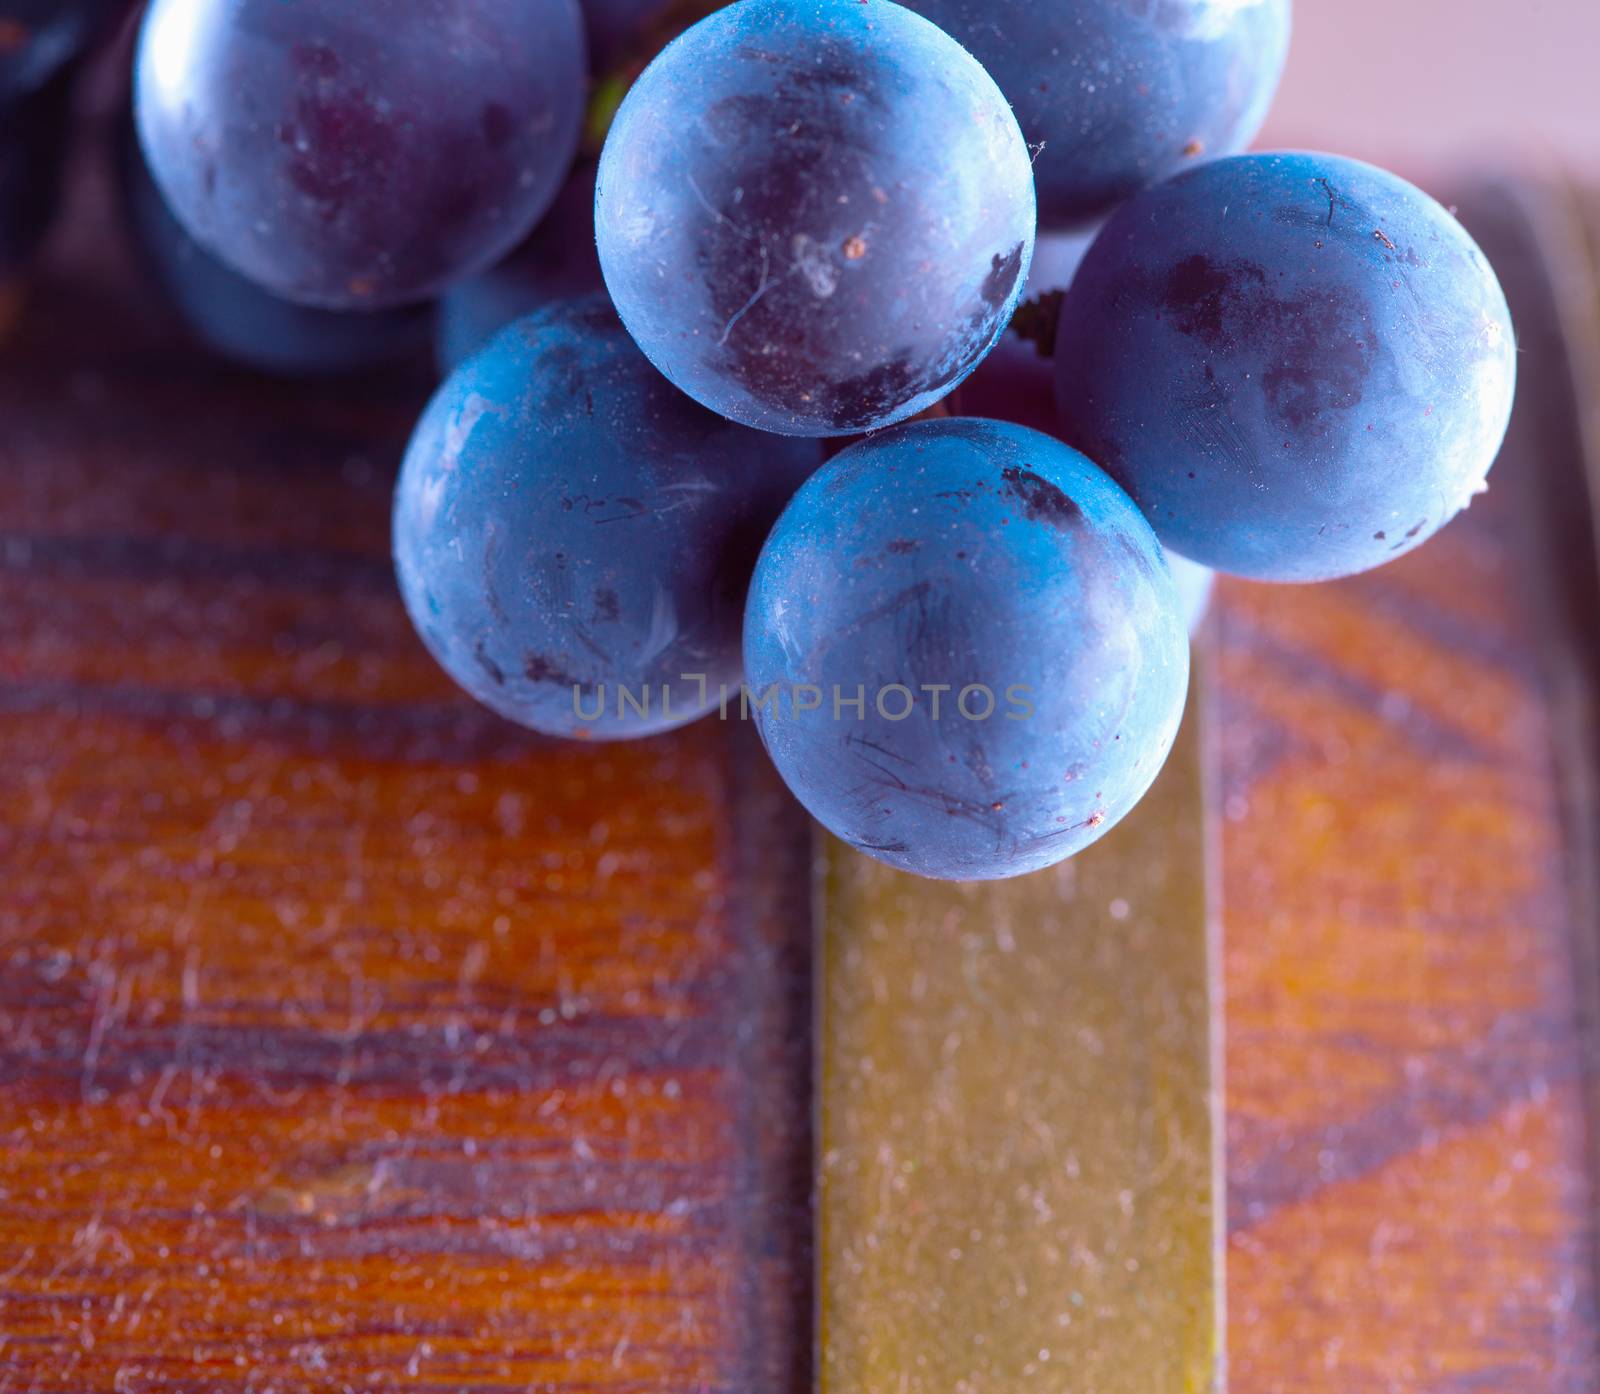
x=963, y=639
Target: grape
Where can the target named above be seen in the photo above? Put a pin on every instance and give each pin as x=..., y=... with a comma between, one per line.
x=1299, y=365
x=360, y=153
x=1009, y=621
x=573, y=535
x=1116, y=94
x=236, y=318
x=815, y=219
x=34, y=130
x=558, y=262
x=40, y=38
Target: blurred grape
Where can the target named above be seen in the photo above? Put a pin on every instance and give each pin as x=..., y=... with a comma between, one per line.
x=360, y=153
x=233, y=316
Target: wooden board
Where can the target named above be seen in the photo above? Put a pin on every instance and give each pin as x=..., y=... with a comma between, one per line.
x=349, y=1038
x=1407, y=832
x=1019, y=1187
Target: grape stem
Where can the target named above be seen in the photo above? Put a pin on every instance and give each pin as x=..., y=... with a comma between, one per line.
x=1037, y=320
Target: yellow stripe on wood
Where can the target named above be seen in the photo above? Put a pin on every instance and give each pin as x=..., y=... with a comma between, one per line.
x=1019, y=1188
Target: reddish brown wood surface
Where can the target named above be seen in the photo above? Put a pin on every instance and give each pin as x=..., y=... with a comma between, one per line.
x=1406, y=830
x=349, y=1038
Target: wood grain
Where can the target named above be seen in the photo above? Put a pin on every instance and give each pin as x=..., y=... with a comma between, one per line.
x=349, y=1038
x=1407, y=924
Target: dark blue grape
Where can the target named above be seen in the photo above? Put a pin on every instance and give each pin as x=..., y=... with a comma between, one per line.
x=1116, y=94
x=815, y=219
x=360, y=153
x=1010, y=622
x=557, y=263
x=34, y=131
x=1299, y=365
x=572, y=534
x=41, y=38
x=234, y=317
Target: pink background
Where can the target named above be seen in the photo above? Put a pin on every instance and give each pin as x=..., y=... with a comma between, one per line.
x=1433, y=86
